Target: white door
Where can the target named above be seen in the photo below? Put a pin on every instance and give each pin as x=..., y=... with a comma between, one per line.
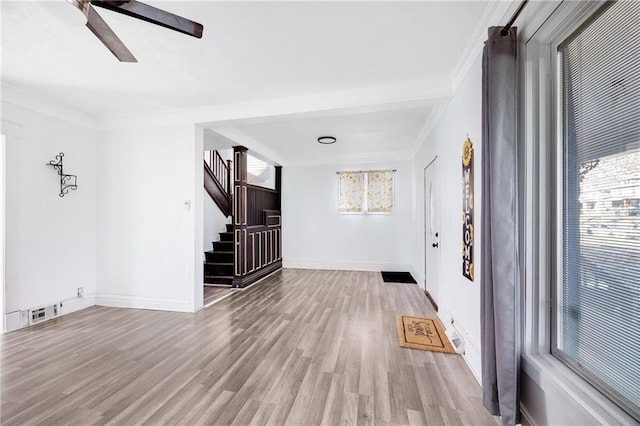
x=2, y=228
x=432, y=230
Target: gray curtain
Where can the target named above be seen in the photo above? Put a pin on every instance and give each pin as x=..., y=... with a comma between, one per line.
x=500, y=292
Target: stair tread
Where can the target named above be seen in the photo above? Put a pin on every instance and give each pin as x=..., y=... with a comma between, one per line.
x=219, y=263
x=219, y=276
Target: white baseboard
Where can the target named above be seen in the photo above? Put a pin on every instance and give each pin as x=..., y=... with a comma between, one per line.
x=471, y=348
x=77, y=304
x=343, y=266
x=527, y=418
x=13, y=322
x=137, y=302
x=418, y=276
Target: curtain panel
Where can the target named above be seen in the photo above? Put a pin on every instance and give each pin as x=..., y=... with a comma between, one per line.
x=380, y=191
x=500, y=284
x=351, y=192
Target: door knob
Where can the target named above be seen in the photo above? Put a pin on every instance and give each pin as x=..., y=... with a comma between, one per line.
x=434, y=245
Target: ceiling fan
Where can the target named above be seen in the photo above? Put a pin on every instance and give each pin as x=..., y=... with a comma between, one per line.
x=134, y=9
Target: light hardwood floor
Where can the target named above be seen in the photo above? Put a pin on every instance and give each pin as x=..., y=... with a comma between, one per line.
x=302, y=347
x=212, y=293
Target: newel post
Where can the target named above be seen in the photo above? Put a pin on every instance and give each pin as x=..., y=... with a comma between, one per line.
x=239, y=214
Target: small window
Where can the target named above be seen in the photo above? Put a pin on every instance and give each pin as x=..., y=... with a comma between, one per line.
x=596, y=328
x=260, y=173
x=366, y=192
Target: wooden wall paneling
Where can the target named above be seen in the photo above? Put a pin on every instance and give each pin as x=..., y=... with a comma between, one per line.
x=236, y=253
x=265, y=247
x=244, y=203
x=244, y=237
x=236, y=205
x=252, y=237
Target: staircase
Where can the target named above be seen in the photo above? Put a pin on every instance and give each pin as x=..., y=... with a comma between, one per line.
x=251, y=248
x=218, y=265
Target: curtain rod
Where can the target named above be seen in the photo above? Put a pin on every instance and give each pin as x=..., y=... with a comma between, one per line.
x=505, y=29
x=362, y=171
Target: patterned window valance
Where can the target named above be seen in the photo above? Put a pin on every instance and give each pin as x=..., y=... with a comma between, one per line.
x=366, y=191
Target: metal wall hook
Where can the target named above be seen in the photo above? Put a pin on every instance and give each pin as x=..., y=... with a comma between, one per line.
x=67, y=182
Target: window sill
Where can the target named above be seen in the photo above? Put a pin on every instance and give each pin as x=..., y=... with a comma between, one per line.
x=560, y=384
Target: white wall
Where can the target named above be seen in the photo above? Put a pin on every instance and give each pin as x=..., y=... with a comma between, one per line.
x=50, y=241
x=316, y=236
x=458, y=297
x=150, y=218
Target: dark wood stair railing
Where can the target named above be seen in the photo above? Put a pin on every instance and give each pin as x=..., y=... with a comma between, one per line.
x=217, y=181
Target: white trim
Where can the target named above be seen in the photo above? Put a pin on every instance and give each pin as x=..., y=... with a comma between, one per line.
x=11, y=129
x=368, y=99
x=343, y=266
x=551, y=392
x=137, y=302
x=425, y=130
x=493, y=14
x=471, y=353
x=77, y=304
x=25, y=99
x=558, y=383
x=527, y=419
x=69, y=306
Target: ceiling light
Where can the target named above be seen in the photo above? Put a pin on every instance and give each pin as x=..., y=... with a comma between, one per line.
x=326, y=140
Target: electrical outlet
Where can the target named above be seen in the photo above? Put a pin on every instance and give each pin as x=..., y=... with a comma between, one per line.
x=80, y=291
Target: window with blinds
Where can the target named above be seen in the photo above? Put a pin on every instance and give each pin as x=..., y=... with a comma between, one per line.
x=596, y=330
x=366, y=192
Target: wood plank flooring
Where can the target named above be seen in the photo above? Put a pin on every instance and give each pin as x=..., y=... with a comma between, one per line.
x=213, y=293
x=300, y=348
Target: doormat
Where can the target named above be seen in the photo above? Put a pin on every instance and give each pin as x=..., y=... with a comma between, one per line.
x=397, y=277
x=426, y=334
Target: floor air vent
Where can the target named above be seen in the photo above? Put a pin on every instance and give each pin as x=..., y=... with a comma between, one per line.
x=43, y=314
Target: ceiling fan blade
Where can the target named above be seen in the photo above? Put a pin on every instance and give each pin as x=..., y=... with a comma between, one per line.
x=152, y=14
x=106, y=35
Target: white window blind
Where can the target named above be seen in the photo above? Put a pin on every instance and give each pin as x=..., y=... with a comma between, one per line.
x=366, y=191
x=597, y=289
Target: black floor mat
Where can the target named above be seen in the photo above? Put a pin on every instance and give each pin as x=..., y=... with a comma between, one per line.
x=398, y=277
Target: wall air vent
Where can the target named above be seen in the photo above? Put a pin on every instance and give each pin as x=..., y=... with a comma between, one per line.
x=42, y=314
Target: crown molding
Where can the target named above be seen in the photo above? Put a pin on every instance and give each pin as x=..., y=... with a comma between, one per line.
x=426, y=129
x=493, y=14
x=25, y=98
x=363, y=100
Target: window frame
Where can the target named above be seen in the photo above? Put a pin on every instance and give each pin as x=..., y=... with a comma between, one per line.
x=557, y=248
x=541, y=134
x=365, y=195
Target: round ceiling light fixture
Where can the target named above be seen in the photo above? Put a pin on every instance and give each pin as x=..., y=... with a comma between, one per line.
x=326, y=140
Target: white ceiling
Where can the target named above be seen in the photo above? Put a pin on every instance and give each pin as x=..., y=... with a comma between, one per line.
x=253, y=53
x=371, y=136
